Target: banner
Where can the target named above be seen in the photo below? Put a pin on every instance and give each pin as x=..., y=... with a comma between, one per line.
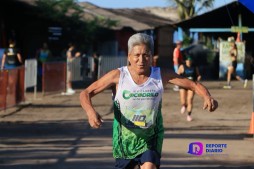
x=225, y=58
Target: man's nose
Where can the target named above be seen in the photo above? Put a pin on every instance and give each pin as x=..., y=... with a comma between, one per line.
x=142, y=58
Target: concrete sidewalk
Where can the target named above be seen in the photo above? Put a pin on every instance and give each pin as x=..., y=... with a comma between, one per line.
x=51, y=132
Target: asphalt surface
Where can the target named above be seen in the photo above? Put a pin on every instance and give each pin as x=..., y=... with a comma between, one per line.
x=51, y=132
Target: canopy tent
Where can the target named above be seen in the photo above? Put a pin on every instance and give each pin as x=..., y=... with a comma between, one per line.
x=223, y=17
x=248, y=4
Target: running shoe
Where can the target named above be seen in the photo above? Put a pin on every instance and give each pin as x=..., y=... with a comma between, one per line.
x=189, y=118
x=70, y=91
x=227, y=87
x=183, y=109
x=176, y=88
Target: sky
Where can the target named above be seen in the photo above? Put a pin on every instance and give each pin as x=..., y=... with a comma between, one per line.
x=141, y=3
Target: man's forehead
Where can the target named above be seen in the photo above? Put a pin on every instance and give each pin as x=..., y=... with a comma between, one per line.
x=139, y=48
x=141, y=52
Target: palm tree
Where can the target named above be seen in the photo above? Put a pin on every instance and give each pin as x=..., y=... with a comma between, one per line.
x=189, y=8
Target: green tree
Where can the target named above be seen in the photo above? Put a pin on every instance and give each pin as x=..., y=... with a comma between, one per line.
x=189, y=8
x=70, y=15
x=60, y=10
x=69, y=11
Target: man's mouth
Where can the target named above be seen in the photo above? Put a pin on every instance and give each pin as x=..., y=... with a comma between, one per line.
x=141, y=65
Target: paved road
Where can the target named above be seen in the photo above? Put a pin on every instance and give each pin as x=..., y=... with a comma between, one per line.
x=51, y=132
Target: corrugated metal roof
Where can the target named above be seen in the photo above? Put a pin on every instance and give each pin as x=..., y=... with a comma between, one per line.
x=138, y=19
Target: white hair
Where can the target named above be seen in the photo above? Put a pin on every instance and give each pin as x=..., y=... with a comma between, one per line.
x=141, y=38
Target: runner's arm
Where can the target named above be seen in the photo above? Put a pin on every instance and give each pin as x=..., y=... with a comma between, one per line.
x=209, y=102
x=105, y=82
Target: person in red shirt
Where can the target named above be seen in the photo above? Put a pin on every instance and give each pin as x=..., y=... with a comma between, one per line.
x=177, y=59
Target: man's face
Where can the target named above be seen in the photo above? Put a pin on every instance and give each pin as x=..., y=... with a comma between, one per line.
x=140, y=58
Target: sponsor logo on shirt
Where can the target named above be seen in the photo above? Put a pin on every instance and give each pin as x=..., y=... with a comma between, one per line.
x=127, y=94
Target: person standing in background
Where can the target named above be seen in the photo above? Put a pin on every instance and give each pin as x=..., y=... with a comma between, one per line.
x=95, y=66
x=155, y=60
x=71, y=54
x=11, y=57
x=43, y=54
x=233, y=53
x=177, y=59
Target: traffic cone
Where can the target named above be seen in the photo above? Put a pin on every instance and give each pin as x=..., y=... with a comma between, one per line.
x=251, y=130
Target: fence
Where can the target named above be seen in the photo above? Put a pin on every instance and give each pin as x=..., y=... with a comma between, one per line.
x=108, y=63
x=12, y=87
x=3, y=88
x=14, y=82
x=53, y=77
x=82, y=68
x=31, y=74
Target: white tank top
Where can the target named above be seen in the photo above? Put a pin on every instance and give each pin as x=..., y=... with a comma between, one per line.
x=139, y=104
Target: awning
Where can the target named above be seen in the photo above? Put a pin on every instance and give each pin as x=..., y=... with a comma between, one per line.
x=248, y=4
